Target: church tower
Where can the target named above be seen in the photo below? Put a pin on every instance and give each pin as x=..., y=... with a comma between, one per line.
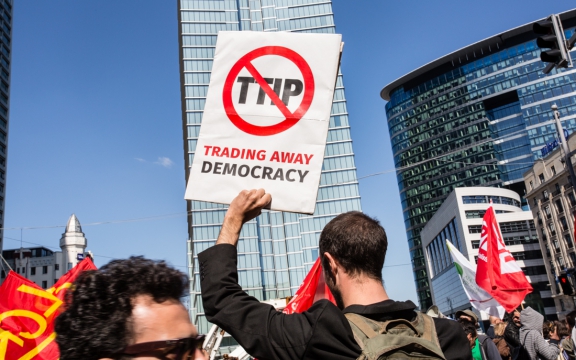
x=72, y=243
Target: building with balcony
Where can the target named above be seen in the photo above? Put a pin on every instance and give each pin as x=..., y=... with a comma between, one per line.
x=552, y=201
x=277, y=249
x=475, y=117
x=459, y=220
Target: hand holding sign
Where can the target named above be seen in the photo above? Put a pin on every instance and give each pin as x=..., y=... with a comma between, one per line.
x=266, y=118
x=245, y=207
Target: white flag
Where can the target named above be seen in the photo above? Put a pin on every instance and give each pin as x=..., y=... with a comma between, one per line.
x=479, y=298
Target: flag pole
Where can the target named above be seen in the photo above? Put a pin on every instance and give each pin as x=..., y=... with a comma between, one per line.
x=6, y=262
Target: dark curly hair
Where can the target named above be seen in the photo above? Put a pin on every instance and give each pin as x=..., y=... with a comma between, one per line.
x=96, y=323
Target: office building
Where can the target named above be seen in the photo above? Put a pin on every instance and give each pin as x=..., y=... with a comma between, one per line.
x=475, y=117
x=552, y=201
x=459, y=220
x=42, y=265
x=5, y=61
x=276, y=249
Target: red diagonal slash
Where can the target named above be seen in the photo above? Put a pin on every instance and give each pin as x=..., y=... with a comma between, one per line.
x=268, y=90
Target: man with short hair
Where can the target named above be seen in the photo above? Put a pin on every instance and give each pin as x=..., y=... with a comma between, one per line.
x=352, y=248
x=128, y=309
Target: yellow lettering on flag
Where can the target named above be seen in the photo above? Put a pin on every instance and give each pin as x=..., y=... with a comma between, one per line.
x=5, y=337
x=30, y=354
x=29, y=314
x=44, y=294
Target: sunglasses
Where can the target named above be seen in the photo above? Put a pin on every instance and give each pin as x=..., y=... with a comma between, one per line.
x=175, y=349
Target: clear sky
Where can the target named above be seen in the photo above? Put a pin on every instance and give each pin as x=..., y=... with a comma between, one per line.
x=95, y=123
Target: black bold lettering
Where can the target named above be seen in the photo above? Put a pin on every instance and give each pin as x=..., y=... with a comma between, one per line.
x=206, y=166
x=279, y=174
x=244, y=89
x=252, y=172
x=277, y=88
x=261, y=93
x=267, y=172
x=229, y=169
x=288, y=178
x=245, y=167
x=288, y=91
x=217, y=168
x=302, y=176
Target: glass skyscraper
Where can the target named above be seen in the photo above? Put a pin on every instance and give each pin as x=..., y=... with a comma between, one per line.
x=476, y=117
x=5, y=60
x=277, y=249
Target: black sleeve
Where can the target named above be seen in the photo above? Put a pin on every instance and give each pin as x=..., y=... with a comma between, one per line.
x=452, y=339
x=261, y=330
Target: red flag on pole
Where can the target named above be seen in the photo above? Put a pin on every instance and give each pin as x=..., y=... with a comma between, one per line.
x=497, y=271
x=27, y=314
x=313, y=288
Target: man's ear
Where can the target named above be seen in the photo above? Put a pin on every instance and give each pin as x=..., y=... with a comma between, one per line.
x=332, y=263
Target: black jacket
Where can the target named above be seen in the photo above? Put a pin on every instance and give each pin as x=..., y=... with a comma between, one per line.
x=322, y=332
x=512, y=335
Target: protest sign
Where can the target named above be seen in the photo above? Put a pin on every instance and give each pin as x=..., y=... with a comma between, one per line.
x=266, y=118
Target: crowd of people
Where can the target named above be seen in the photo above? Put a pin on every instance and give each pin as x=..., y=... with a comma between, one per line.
x=131, y=309
x=522, y=334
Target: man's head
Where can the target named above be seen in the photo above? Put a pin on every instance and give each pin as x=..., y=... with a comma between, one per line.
x=113, y=311
x=515, y=316
x=354, y=243
x=467, y=315
x=470, y=331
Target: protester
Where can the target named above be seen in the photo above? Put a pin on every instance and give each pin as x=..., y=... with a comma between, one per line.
x=493, y=321
x=469, y=315
x=531, y=337
x=352, y=249
x=568, y=343
x=482, y=346
x=479, y=351
x=128, y=309
x=499, y=341
x=547, y=327
x=512, y=332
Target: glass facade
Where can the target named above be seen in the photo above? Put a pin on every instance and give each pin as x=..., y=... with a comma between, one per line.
x=477, y=119
x=277, y=249
x=5, y=60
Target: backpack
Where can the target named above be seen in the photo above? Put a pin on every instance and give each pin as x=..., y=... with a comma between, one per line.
x=397, y=338
x=520, y=352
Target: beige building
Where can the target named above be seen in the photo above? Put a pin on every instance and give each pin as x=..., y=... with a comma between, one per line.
x=552, y=201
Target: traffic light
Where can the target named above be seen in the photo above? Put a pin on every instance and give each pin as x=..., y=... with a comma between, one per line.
x=567, y=288
x=555, y=48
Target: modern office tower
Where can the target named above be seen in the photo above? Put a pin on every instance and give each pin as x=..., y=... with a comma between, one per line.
x=459, y=220
x=5, y=60
x=550, y=194
x=276, y=249
x=475, y=117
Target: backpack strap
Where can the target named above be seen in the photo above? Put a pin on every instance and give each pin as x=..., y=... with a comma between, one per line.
x=360, y=329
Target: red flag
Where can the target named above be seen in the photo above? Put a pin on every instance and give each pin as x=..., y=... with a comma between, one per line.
x=313, y=288
x=27, y=314
x=59, y=289
x=497, y=271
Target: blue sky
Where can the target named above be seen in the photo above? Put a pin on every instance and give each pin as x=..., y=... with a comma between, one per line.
x=95, y=124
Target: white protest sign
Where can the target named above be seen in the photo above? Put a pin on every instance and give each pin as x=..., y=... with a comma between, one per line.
x=266, y=118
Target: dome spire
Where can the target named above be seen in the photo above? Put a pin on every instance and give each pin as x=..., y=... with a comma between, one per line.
x=73, y=225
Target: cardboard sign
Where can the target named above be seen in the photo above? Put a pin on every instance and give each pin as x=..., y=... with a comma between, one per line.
x=266, y=118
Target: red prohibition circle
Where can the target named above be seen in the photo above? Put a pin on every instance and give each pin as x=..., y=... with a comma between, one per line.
x=290, y=118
